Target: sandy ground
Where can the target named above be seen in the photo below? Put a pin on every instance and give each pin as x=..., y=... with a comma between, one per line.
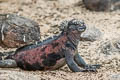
x=49, y=13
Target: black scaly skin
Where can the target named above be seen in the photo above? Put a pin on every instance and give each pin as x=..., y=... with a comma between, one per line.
x=53, y=53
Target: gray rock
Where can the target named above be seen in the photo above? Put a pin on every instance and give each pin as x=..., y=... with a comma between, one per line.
x=109, y=47
x=114, y=77
x=67, y=2
x=16, y=31
x=102, y=5
x=91, y=34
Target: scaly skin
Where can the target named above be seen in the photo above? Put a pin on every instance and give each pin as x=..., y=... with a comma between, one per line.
x=52, y=54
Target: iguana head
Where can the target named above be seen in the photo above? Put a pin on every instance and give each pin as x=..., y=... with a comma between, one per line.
x=73, y=25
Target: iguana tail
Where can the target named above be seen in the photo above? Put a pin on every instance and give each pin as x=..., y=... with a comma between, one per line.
x=6, y=55
x=6, y=60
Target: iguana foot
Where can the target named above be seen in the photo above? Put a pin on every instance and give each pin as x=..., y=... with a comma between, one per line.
x=92, y=68
x=97, y=66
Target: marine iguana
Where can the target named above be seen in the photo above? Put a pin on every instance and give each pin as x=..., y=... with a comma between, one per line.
x=53, y=53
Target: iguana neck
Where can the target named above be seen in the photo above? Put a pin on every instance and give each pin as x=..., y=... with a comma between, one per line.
x=74, y=38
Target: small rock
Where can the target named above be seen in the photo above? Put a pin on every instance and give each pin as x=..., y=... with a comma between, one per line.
x=111, y=46
x=115, y=77
x=91, y=34
x=16, y=31
x=107, y=48
x=116, y=43
x=102, y=5
x=67, y=2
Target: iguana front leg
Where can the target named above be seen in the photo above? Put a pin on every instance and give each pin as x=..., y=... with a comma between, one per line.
x=72, y=64
x=81, y=63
